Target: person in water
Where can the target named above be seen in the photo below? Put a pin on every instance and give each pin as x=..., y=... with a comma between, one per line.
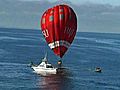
x=60, y=63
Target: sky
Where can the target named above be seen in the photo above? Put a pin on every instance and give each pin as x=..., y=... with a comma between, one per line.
x=112, y=2
x=93, y=15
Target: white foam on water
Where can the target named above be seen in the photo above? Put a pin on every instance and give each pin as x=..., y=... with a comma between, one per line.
x=12, y=64
x=19, y=33
x=13, y=38
x=104, y=41
x=23, y=45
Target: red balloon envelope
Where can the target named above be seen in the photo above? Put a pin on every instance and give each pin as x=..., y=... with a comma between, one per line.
x=59, y=26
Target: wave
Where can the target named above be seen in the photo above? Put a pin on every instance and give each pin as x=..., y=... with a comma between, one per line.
x=12, y=64
x=103, y=41
x=16, y=38
x=97, y=48
x=104, y=84
x=28, y=45
x=114, y=49
x=12, y=70
x=20, y=33
x=107, y=41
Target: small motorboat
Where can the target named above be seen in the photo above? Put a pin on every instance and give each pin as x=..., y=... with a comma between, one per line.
x=44, y=67
x=98, y=69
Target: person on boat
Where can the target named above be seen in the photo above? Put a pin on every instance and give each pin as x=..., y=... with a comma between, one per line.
x=59, y=63
x=46, y=62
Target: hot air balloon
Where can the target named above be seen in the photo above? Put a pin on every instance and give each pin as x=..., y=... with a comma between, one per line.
x=59, y=26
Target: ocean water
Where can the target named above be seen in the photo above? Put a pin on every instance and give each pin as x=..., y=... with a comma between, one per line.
x=18, y=47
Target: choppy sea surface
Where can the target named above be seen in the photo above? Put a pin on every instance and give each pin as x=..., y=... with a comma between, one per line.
x=18, y=47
